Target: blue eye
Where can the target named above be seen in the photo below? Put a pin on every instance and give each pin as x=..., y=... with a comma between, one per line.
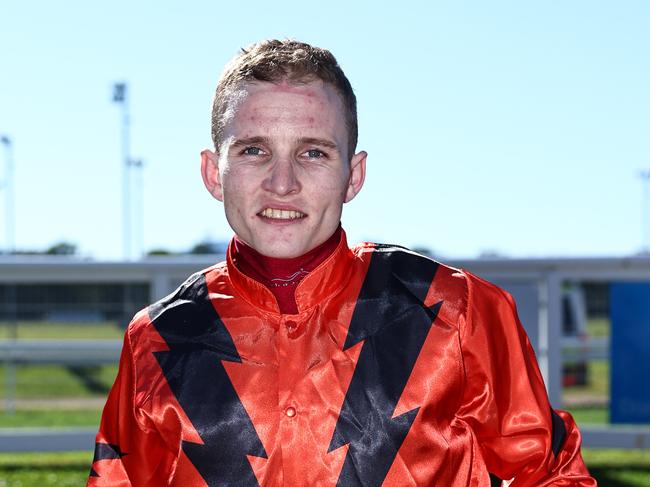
x=314, y=153
x=252, y=151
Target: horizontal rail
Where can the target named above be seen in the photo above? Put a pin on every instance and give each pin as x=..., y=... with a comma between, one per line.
x=72, y=352
x=47, y=439
x=576, y=349
x=627, y=437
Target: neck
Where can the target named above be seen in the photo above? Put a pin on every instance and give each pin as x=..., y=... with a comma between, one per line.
x=282, y=276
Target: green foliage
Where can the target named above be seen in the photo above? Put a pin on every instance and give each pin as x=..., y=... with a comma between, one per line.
x=62, y=248
x=208, y=247
x=159, y=251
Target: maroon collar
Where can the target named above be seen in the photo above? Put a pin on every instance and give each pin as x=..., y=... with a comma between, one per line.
x=281, y=276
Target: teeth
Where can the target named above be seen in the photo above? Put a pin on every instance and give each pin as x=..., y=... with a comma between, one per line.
x=281, y=214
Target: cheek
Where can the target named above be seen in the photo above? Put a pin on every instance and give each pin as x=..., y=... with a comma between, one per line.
x=240, y=194
x=237, y=183
x=335, y=185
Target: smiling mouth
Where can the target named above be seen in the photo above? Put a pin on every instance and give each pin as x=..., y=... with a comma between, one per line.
x=276, y=214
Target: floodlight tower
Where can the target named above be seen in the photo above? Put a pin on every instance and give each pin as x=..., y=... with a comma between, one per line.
x=645, y=210
x=137, y=166
x=8, y=185
x=12, y=322
x=120, y=97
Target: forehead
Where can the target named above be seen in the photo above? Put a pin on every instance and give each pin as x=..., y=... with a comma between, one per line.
x=263, y=105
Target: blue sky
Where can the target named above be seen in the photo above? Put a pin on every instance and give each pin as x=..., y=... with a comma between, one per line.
x=515, y=127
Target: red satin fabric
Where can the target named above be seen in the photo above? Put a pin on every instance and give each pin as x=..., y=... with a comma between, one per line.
x=482, y=403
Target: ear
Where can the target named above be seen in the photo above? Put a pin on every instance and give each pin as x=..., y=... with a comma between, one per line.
x=210, y=173
x=357, y=175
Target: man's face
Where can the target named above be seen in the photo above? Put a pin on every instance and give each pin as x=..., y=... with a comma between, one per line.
x=282, y=170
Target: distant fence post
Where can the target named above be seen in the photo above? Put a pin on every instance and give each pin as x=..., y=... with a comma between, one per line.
x=553, y=335
x=10, y=386
x=10, y=365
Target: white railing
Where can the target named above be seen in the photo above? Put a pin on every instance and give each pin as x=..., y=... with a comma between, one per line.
x=64, y=352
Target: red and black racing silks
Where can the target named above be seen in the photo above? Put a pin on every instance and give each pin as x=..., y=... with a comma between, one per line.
x=396, y=371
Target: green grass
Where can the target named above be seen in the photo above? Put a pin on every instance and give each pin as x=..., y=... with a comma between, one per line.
x=62, y=331
x=598, y=376
x=618, y=468
x=597, y=370
x=584, y=416
x=588, y=403
x=67, y=459
x=55, y=381
x=44, y=469
x=50, y=418
x=598, y=327
x=44, y=477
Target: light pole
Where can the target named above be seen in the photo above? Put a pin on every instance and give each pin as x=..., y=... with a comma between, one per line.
x=120, y=97
x=645, y=210
x=11, y=311
x=137, y=167
x=129, y=202
x=8, y=185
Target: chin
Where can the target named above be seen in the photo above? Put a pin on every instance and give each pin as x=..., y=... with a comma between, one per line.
x=281, y=252
x=282, y=248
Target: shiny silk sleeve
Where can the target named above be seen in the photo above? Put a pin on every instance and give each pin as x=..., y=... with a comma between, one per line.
x=128, y=453
x=505, y=401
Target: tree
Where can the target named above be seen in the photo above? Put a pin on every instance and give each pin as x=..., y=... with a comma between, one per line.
x=209, y=247
x=62, y=248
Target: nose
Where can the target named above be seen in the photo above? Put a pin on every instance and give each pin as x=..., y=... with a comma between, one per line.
x=282, y=179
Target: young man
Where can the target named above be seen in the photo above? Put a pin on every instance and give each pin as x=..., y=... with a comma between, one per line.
x=302, y=362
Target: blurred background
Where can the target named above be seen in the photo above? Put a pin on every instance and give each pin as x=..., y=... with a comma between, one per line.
x=508, y=138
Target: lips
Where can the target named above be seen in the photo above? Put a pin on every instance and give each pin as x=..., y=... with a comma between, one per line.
x=278, y=214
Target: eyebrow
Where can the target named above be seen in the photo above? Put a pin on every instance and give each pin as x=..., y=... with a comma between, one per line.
x=250, y=141
x=316, y=141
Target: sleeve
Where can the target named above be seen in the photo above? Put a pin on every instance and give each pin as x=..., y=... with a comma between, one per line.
x=127, y=452
x=521, y=438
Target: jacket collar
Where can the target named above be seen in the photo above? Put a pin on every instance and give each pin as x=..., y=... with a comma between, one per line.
x=324, y=281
